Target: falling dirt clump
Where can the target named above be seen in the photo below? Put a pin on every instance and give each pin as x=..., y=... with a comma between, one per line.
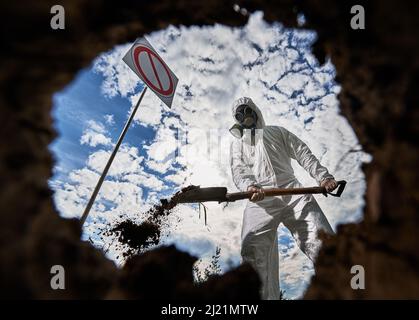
x=135, y=238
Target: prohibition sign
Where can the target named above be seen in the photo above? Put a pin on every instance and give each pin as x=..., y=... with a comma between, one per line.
x=153, y=70
x=148, y=65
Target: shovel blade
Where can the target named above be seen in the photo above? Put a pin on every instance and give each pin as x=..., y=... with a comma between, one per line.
x=202, y=195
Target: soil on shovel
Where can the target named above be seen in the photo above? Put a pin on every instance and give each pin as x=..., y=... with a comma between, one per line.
x=135, y=238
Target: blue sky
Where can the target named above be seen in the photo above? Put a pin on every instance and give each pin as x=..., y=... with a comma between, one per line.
x=78, y=103
x=189, y=144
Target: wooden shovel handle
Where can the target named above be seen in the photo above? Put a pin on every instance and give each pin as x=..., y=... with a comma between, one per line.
x=270, y=192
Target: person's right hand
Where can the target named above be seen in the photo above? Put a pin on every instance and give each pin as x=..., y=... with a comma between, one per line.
x=258, y=193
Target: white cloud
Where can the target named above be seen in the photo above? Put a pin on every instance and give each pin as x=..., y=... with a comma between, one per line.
x=127, y=160
x=164, y=145
x=119, y=79
x=175, y=178
x=150, y=111
x=109, y=118
x=145, y=180
x=216, y=65
x=95, y=134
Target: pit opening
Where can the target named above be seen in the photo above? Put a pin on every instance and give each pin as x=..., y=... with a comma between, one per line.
x=167, y=149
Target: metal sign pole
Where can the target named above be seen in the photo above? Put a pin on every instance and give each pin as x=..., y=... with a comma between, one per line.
x=108, y=164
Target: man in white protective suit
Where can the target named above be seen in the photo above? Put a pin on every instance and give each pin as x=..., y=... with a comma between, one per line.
x=260, y=157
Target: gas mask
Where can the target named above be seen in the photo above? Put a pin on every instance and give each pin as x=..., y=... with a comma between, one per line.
x=247, y=119
x=246, y=116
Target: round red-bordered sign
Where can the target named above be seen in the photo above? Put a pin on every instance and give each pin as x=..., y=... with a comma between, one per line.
x=152, y=57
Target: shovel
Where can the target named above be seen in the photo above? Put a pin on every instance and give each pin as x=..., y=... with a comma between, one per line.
x=194, y=194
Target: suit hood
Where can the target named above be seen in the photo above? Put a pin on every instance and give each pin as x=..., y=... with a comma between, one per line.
x=260, y=123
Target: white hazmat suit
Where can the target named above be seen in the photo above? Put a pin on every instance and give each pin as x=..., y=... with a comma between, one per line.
x=265, y=161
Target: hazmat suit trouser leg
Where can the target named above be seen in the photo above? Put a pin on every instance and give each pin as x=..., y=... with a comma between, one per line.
x=301, y=215
x=304, y=220
x=260, y=247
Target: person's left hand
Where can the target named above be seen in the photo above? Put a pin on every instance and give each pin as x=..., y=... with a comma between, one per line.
x=329, y=184
x=258, y=193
